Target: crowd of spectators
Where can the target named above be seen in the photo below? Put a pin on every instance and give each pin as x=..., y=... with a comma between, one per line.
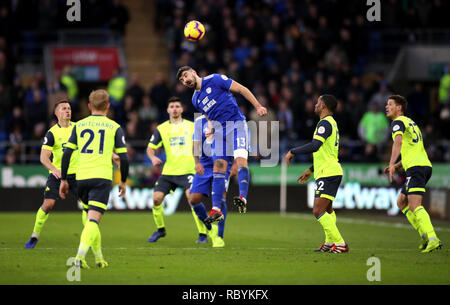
x=286, y=52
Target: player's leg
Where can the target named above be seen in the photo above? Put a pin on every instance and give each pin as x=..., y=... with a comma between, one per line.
x=202, y=230
x=221, y=224
x=403, y=205
x=90, y=238
x=41, y=218
x=240, y=154
x=326, y=191
x=97, y=191
x=162, y=187
x=158, y=216
x=51, y=193
x=218, y=187
x=424, y=223
x=416, y=189
x=73, y=187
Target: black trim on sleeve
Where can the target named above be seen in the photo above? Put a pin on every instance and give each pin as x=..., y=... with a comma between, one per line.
x=156, y=138
x=309, y=148
x=328, y=129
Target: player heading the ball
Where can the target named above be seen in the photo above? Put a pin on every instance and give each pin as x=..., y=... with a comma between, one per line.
x=213, y=97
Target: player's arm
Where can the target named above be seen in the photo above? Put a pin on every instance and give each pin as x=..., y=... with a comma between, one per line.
x=324, y=130
x=197, y=145
x=248, y=95
x=305, y=175
x=116, y=159
x=46, y=153
x=153, y=145
x=65, y=162
x=120, y=148
x=398, y=128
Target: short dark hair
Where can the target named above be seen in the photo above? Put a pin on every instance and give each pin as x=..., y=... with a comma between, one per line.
x=174, y=99
x=330, y=101
x=399, y=100
x=63, y=101
x=181, y=70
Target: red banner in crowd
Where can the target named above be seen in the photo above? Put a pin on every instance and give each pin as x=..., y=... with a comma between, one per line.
x=96, y=63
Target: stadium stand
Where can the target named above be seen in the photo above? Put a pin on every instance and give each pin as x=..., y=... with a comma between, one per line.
x=286, y=52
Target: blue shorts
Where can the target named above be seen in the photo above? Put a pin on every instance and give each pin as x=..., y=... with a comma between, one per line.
x=202, y=183
x=231, y=141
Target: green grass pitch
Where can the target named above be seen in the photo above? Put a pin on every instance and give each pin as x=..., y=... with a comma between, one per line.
x=261, y=249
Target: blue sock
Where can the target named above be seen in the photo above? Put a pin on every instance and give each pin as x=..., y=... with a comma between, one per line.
x=218, y=187
x=221, y=223
x=200, y=210
x=244, y=179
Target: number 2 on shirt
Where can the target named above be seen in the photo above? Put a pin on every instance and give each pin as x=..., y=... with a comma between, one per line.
x=91, y=135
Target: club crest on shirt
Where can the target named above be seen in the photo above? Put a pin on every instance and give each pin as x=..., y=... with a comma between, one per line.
x=208, y=90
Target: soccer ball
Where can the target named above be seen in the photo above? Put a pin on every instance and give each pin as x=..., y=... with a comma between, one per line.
x=194, y=30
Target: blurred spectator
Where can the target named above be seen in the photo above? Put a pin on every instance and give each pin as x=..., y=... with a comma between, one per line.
x=355, y=109
x=119, y=17
x=418, y=103
x=135, y=89
x=373, y=129
x=5, y=105
x=444, y=86
x=116, y=88
x=69, y=83
x=286, y=119
x=380, y=97
x=263, y=123
x=160, y=93
x=148, y=112
x=48, y=15
x=6, y=71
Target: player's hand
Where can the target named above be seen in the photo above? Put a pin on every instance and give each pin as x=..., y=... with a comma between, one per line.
x=209, y=132
x=199, y=169
x=56, y=173
x=63, y=189
x=262, y=111
x=122, y=189
x=156, y=161
x=386, y=170
x=233, y=170
x=288, y=157
x=305, y=176
x=391, y=172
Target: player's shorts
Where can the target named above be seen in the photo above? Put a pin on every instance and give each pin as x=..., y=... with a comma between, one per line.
x=95, y=193
x=416, y=179
x=53, y=183
x=327, y=187
x=231, y=141
x=167, y=183
x=202, y=183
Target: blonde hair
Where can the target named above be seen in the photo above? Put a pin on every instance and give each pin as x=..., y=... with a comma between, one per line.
x=99, y=99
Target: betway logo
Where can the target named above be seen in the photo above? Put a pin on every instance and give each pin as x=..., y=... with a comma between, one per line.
x=9, y=180
x=142, y=199
x=353, y=196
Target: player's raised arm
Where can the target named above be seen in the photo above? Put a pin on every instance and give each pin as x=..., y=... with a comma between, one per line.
x=248, y=95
